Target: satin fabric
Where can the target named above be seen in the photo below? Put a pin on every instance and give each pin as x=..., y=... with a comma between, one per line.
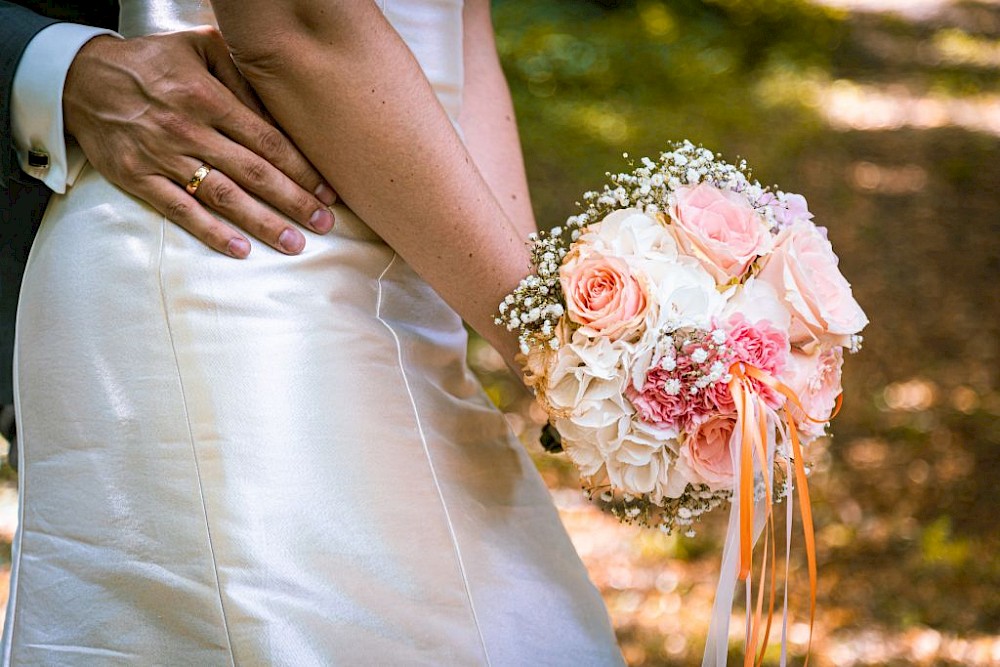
x=283, y=460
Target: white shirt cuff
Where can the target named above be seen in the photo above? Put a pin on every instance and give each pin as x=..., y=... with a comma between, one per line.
x=36, y=103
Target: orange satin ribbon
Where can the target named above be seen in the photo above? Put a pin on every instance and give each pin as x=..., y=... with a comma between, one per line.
x=749, y=404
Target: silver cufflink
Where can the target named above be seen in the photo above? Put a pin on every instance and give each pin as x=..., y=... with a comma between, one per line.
x=38, y=159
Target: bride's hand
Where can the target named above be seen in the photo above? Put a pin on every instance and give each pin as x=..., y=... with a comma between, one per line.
x=148, y=111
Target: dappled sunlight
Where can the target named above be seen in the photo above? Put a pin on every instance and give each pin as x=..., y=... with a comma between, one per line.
x=912, y=9
x=957, y=47
x=890, y=180
x=851, y=106
x=919, y=646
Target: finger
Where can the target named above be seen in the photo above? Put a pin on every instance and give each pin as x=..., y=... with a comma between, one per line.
x=256, y=175
x=181, y=208
x=246, y=128
x=222, y=195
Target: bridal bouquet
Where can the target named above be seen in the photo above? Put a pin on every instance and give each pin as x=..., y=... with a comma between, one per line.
x=685, y=336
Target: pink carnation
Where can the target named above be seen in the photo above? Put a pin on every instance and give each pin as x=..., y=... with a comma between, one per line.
x=654, y=404
x=760, y=346
x=657, y=404
x=719, y=397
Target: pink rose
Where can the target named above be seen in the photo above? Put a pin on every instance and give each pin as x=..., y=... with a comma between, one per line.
x=602, y=294
x=706, y=451
x=815, y=378
x=720, y=228
x=803, y=271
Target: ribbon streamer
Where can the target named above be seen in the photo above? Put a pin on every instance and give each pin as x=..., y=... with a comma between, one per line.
x=754, y=441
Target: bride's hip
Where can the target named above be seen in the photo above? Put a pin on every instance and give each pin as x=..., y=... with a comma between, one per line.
x=122, y=311
x=96, y=214
x=100, y=248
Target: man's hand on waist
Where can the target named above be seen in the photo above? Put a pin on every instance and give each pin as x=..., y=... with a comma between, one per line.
x=149, y=111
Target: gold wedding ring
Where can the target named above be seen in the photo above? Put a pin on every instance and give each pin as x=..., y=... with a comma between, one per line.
x=199, y=176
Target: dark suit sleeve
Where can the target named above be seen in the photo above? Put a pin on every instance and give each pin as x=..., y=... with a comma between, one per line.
x=21, y=200
x=17, y=26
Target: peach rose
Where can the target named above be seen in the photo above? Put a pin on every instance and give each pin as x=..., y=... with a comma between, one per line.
x=602, y=294
x=815, y=378
x=803, y=271
x=720, y=228
x=706, y=453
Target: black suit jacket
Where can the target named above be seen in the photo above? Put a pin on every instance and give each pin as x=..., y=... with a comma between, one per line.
x=23, y=199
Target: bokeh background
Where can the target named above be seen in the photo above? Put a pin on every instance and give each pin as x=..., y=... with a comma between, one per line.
x=886, y=115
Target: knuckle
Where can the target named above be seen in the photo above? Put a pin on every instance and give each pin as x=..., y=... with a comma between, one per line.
x=197, y=90
x=210, y=33
x=306, y=176
x=178, y=209
x=271, y=142
x=255, y=173
x=304, y=205
x=182, y=94
x=125, y=166
x=223, y=195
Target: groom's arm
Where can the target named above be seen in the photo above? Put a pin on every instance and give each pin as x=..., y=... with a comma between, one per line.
x=147, y=112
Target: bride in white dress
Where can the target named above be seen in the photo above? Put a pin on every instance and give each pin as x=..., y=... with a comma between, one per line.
x=286, y=460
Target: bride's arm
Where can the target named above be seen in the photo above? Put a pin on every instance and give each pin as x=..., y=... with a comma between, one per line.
x=487, y=118
x=343, y=84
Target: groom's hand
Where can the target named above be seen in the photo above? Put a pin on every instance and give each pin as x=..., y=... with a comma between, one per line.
x=149, y=111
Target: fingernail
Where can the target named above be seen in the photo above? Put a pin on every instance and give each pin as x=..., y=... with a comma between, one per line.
x=238, y=248
x=325, y=194
x=321, y=221
x=291, y=241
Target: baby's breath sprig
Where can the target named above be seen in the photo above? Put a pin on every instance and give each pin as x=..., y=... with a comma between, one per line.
x=668, y=515
x=534, y=307
x=649, y=186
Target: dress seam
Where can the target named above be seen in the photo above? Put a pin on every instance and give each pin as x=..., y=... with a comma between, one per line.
x=191, y=438
x=430, y=462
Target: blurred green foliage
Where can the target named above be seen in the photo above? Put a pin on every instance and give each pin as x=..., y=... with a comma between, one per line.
x=591, y=82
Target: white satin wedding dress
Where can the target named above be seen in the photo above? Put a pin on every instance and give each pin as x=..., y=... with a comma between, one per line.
x=283, y=460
